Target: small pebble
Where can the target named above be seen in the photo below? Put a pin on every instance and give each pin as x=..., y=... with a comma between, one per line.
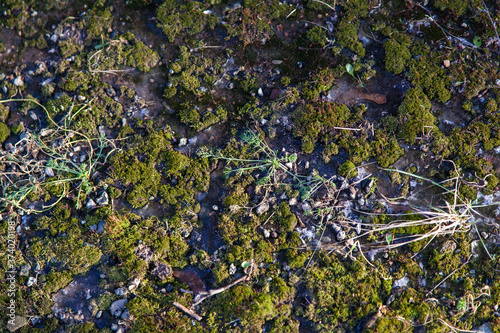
x=18, y=81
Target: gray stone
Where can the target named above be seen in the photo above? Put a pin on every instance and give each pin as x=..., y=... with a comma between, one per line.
x=24, y=270
x=18, y=81
x=401, y=283
x=126, y=314
x=232, y=269
x=306, y=207
x=103, y=199
x=49, y=172
x=31, y=281
x=340, y=235
x=17, y=323
x=161, y=270
x=91, y=204
x=45, y=131
x=134, y=284
x=101, y=226
x=121, y=291
x=485, y=328
x=117, y=307
x=264, y=207
x=99, y=314
x=183, y=142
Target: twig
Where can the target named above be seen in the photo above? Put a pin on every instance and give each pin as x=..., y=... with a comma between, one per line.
x=347, y=128
x=324, y=3
x=190, y=312
x=213, y=292
x=492, y=23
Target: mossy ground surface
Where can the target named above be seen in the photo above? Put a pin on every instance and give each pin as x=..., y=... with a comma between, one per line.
x=163, y=148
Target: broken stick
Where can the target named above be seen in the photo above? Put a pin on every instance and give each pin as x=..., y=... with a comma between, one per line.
x=188, y=311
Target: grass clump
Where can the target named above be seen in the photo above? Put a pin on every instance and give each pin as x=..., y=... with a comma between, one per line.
x=68, y=176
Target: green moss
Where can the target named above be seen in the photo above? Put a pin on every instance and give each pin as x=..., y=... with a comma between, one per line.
x=457, y=7
x=70, y=46
x=140, y=56
x=4, y=112
x=347, y=35
x=426, y=73
x=347, y=169
x=296, y=259
x=17, y=129
x=4, y=132
x=317, y=36
x=176, y=18
x=417, y=120
x=71, y=252
x=140, y=307
x=397, y=53
x=314, y=122
x=386, y=149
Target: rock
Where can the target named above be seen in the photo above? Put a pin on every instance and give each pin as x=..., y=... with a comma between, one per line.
x=45, y=132
x=352, y=193
x=126, y=314
x=103, y=199
x=306, y=207
x=183, y=142
x=91, y=204
x=81, y=98
x=87, y=294
x=117, y=307
x=232, y=269
x=367, y=184
x=340, y=235
x=289, y=165
x=401, y=283
x=161, y=270
x=260, y=92
x=292, y=201
x=18, y=81
x=24, y=270
x=448, y=246
x=264, y=207
x=446, y=63
x=277, y=62
x=31, y=281
x=99, y=314
x=485, y=328
x=93, y=228
x=275, y=93
x=121, y=291
x=17, y=323
x=134, y=284
x=266, y=233
x=114, y=327
x=101, y=226
x=144, y=252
